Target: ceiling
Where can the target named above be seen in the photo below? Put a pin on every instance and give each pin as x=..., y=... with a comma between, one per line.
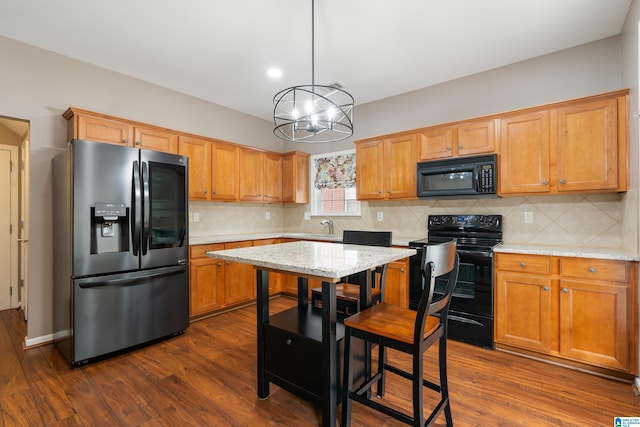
x=220, y=50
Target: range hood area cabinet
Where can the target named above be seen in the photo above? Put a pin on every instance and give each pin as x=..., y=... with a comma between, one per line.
x=573, y=147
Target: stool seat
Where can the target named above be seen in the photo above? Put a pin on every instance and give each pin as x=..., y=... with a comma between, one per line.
x=391, y=321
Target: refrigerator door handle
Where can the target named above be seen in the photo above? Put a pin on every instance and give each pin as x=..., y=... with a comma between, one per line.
x=136, y=203
x=146, y=208
x=132, y=280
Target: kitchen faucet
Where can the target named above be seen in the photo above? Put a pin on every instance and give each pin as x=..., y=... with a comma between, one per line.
x=330, y=222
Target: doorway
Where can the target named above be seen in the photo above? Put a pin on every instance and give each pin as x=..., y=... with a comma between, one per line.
x=14, y=161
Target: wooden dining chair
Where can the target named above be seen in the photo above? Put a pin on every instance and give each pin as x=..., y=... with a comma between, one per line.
x=348, y=289
x=408, y=331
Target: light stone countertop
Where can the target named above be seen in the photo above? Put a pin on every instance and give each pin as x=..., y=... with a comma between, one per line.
x=320, y=259
x=225, y=238
x=568, y=251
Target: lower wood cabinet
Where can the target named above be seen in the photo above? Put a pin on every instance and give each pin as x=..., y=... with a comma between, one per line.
x=579, y=309
x=239, y=278
x=206, y=280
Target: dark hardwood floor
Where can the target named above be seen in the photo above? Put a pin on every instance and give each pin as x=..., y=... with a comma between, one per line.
x=206, y=378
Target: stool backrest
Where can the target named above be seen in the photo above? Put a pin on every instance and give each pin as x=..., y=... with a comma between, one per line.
x=437, y=260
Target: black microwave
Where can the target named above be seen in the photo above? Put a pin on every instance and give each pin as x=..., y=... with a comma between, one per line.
x=461, y=177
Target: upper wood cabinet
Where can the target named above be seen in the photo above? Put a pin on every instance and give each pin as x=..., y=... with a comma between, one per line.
x=574, y=147
x=225, y=168
x=295, y=177
x=386, y=168
x=97, y=127
x=464, y=139
x=260, y=176
x=155, y=139
x=199, y=153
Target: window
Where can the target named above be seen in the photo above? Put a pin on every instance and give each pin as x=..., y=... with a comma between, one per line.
x=333, y=184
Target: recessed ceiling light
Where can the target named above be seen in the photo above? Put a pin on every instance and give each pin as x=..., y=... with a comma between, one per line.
x=274, y=73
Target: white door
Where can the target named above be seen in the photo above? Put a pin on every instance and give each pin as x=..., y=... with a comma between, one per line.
x=8, y=227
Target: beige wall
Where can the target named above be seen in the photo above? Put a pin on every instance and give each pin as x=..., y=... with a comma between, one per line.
x=38, y=86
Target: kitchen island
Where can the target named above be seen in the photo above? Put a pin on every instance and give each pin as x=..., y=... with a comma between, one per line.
x=328, y=262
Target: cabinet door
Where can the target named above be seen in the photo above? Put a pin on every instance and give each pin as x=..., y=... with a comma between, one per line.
x=224, y=171
x=400, y=167
x=272, y=179
x=154, y=139
x=199, y=153
x=524, y=153
x=251, y=173
x=595, y=323
x=369, y=170
x=437, y=143
x=239, y=278
x=587, y=147
x=523, y=311
x=476, y=138
x=295, y=177
x=103, y=130
x=396, y=290
x=206, y=285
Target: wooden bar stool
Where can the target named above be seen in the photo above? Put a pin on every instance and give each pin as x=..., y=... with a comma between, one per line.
x=348, y=289
x=408, y=331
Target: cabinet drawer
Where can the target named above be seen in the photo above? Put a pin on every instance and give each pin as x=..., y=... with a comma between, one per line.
x=200, y=251
x=533, y=264
x=595, y=269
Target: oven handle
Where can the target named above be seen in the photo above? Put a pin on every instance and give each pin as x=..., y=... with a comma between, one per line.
x=464, y=320
x=475, y=254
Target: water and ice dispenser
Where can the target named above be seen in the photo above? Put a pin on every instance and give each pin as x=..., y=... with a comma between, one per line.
x=109, y=228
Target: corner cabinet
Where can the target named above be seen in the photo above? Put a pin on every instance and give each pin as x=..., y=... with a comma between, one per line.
x=579, y=309
x=295, y=177
x=386, y=168
x=572, y=147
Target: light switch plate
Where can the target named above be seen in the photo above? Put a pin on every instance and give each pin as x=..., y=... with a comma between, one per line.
x=380, y=216
x=196, y=216
x=267, y=216
x=528, y=217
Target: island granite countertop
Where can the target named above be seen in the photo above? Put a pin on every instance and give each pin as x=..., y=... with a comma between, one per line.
x=320, y=259
x=568, y=251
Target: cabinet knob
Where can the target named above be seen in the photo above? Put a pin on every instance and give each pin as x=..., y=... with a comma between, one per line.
x=545, y=288
x=379, y=191
x=219, y=264
x=206, y=191
x=545, y=182
x=562, y=181
x=448, y=148
x=565, y=290
x=592, y=270
x=124, y=141
x=388, y=191
x=137, y=142
x=228, y=262
x=460, y=147
x=522, y=264
x=214, y=193
x=289, y=341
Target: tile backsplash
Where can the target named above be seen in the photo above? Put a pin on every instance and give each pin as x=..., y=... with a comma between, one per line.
x=603, y=220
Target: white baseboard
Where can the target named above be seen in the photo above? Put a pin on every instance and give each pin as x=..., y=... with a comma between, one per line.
x=44, y=339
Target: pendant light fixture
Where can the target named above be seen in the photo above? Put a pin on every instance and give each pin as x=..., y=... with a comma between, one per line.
x=313, y=113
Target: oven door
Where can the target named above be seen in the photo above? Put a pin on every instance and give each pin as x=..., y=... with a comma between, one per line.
x=473, y=293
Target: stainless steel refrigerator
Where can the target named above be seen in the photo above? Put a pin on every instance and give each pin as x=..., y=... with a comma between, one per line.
x=120, y=248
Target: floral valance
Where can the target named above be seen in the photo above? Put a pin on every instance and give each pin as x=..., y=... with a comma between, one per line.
x=335, y=171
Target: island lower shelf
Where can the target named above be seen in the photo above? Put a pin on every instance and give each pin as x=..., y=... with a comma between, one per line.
x=293, y=352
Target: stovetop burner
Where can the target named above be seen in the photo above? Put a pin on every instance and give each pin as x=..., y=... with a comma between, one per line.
x=473, y=232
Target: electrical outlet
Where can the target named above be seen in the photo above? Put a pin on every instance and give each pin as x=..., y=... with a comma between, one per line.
x=380, y=216
x=528, y=217
x=196, y=216
x=267, y=216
